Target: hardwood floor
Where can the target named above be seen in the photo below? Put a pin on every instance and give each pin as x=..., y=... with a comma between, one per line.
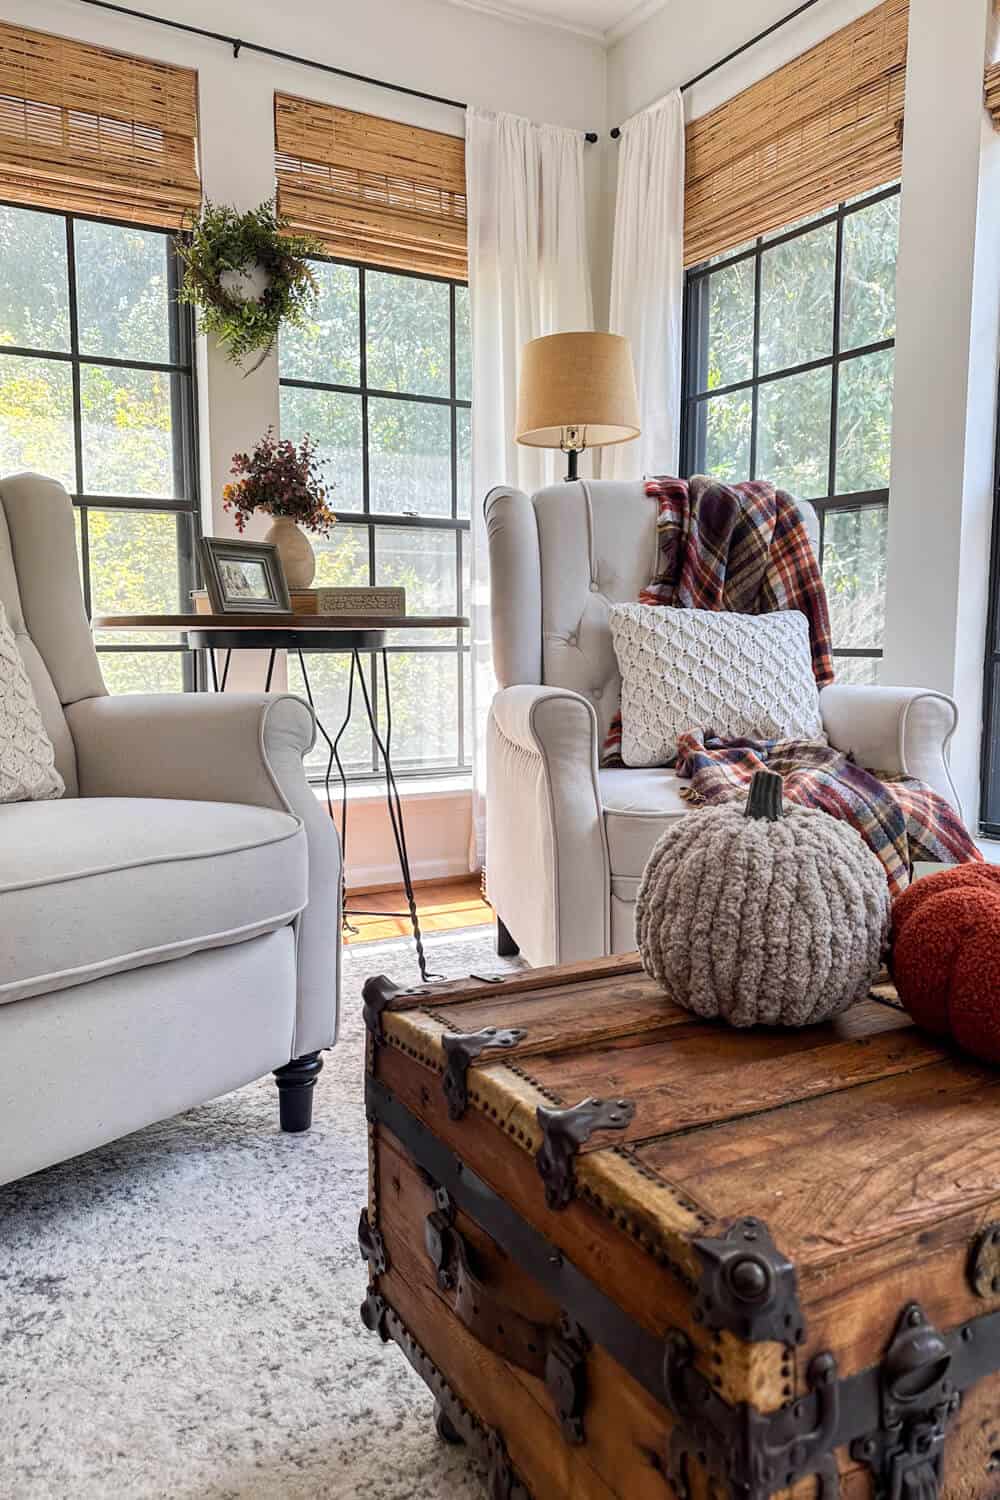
x=441, y=905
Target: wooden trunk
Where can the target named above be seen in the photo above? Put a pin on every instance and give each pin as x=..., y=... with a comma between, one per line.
x=751, y=1264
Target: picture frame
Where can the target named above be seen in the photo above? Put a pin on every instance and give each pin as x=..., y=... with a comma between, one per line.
x=244, y=577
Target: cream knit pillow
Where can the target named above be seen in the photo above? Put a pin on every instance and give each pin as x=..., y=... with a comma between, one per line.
x=707, y=671
x=27, y=758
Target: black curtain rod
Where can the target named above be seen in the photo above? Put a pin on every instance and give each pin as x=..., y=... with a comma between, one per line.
x=239, y=46
x=738, y=51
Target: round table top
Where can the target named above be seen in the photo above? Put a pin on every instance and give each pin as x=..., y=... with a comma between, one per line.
x=260, y=621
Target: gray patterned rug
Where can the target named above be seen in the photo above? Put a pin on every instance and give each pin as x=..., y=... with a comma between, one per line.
x=179, y=1311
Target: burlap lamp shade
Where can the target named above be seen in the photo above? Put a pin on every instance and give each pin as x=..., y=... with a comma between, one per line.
x=577, y=391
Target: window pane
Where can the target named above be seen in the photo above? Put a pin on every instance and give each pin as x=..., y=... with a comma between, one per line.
x=857, y=671
x=424, y=692
x=34, y=291
x=134, y=563
x=127, y=434
x=342, y=558
x=729, y=351
x=333, y=421
x=871, y=239
x=728, y=254
x=410, y=457
x=408, y=327
x=36, y=417
x=463, y=344
x=143, y=671
x=854, y=550
x=121, y=279
x=793, y=438
x=463, y=432
x=328, y=348
x=864, y=423
x=724, y=436
x=796, y=312
x=328, y=678
x=424, y=562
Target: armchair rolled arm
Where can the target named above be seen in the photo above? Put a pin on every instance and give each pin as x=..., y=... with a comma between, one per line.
x=903, y=731
x=228, y=747
x=547, y=866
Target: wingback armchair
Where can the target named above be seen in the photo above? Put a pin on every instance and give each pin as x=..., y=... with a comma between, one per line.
x=566, y=840
x=170, y=928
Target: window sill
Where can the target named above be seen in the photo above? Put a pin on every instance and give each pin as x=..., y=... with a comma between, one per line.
x=446, y=787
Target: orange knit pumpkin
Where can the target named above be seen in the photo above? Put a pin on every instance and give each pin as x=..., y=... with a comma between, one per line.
x=946, y=955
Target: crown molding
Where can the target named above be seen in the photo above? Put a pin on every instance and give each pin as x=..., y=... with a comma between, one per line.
x=641, y=12
x=505, y=12
x=607, y=37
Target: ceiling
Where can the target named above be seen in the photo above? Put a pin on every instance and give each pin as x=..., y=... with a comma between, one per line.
x=602, y=20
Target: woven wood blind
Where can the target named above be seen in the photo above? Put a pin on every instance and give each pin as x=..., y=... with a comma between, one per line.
x=373, y=190
x=98, y=132
x=825, y=127
x=993, y=93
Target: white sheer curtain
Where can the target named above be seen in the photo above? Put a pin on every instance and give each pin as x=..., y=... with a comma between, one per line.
x=647, y=283
x=529, y=274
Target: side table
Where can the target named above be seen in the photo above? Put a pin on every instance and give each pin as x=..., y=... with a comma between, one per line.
x=325, y=634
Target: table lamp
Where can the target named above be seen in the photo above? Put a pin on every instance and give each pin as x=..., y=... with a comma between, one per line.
x=577, y=391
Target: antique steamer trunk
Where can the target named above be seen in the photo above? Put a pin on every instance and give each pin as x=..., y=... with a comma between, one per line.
x=637, y=1255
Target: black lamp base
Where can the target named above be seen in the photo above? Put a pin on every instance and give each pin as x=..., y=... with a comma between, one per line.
x=572, y=460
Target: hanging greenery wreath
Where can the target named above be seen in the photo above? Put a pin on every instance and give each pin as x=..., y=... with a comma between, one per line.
x=223, y=244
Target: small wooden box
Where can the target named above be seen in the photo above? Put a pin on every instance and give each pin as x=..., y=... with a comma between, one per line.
x=638, y=1255
x=332, y=602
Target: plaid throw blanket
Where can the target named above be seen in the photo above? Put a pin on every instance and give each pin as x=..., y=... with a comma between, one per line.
x=742, y=548
x=901, y=820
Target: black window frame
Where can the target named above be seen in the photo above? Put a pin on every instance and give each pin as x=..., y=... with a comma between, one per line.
x=185, y=505
x=694, y=350
x=460, y=525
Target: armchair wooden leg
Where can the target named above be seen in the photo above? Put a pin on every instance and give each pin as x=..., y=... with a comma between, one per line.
x=296, y=1081
x=506, y=946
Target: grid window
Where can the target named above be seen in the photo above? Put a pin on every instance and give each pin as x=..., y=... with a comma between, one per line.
x=379, y=379
x=788, y=376
x=96, y=390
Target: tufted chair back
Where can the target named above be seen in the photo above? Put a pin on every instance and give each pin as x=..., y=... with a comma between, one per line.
x=40, y=591
x=557, y=561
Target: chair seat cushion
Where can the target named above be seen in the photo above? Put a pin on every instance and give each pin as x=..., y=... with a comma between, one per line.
x=638, y=806
x=94, y=886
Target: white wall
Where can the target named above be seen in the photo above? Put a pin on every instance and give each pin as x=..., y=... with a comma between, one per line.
x=429, y=45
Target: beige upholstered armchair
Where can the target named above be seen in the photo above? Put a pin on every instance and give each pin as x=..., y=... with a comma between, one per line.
x=170, y=929
x=566, y=841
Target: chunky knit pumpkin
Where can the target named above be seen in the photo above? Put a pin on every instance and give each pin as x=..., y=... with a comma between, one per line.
x=763, y=915
x=946, y=955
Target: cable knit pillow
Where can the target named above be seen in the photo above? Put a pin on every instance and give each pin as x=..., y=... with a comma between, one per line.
x=710, y=672
x=27, y=760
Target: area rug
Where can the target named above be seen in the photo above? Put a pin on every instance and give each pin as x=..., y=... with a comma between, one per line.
x=179, y=1310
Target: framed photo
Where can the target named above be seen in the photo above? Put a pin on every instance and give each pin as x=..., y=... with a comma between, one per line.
x=244, y=577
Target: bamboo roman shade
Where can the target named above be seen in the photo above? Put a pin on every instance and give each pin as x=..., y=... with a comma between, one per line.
x=98, y=132
x=373, y=190
x=825, y=127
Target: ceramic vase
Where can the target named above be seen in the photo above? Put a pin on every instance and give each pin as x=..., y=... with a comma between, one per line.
x=295, y=551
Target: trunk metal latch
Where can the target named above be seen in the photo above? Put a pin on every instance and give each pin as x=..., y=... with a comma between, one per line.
x=919, y=1400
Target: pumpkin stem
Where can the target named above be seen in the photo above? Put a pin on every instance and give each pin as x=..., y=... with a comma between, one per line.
x=764, y=799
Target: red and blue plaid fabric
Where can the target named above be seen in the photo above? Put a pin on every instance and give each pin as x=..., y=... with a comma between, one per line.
x=737, y=547
x=901, y=820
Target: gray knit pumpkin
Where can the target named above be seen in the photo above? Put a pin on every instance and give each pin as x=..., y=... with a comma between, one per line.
x=762, y=915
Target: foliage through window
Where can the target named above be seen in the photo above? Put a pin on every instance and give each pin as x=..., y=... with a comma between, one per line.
x=381, y=380
x=96, y=391
x=788, y=377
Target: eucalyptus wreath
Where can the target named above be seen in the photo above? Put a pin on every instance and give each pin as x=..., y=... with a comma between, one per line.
x=222, y=239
